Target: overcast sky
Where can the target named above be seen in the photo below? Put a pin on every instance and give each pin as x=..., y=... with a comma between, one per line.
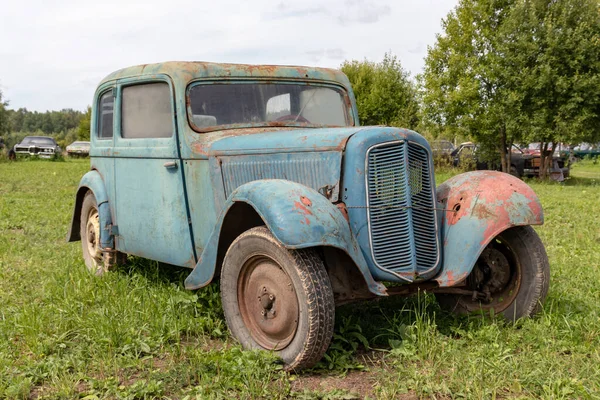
x=53, y=53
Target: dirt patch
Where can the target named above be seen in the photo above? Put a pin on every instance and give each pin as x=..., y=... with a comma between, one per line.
x=361, y=384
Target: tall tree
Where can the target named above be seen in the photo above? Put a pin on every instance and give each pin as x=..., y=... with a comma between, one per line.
x=517, y=70
x=384, y=93
x=4, y=123
x=83, y=131
x=463, y=89
x=557, y=49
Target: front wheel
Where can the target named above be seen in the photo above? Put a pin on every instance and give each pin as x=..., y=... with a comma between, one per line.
x=511, y=277
x=277, y=299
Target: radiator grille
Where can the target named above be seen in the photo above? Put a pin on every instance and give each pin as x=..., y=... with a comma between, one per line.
x=401, y=208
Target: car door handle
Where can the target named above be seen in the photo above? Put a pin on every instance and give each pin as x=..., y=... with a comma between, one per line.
x=170, y=164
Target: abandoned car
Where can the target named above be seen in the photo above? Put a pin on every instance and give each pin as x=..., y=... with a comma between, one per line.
x=37, y=146
x=524, y=162
x=261, y=177
x=78, y=149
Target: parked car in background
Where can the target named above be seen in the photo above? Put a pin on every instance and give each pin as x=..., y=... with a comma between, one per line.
x=78, y=149
x=584, y=150
x=262, y=177
x=37, y=146
x=524, y=163
x=442, y=150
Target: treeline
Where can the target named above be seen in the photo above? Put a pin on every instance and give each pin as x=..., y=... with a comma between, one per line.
x=49, y=122
x=65, y=126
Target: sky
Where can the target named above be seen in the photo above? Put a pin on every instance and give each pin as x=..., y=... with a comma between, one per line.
x=53, y=54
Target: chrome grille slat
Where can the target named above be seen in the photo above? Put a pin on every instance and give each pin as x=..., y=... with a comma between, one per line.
x=401, y=214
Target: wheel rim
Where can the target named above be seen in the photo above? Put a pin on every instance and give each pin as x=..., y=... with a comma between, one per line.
x=93, y=238
x=496, y=277
x=268, y=302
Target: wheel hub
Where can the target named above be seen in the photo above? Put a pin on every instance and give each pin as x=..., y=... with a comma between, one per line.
x=493, y=281
x=268, y=303
x=93, y=237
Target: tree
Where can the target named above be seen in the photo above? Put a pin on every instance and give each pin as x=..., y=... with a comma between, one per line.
x=83, y=131
x=506, y=71
x=384, y=93
x=558, y=55
x=462, y=87
x=4, y=123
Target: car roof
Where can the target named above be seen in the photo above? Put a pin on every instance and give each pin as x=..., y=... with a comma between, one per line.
x=186, y=71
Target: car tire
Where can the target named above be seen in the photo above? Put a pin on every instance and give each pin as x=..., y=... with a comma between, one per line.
x=517, y=278
x=89, y=230
x=277, y=299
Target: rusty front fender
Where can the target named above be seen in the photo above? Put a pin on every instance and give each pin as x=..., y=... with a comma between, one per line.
x=92, y=181
x=479, y=205
x=298, y=216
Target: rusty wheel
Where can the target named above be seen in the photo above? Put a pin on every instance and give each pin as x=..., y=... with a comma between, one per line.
x=277, y=299
x=268, y=303
x=511, y=277
x=89, y=230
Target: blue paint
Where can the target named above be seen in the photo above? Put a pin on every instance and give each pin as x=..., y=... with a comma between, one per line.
x=92, y=181
x=354, y=194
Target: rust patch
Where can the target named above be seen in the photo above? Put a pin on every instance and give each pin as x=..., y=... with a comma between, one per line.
x=200, y=148
x=306, y=201
x=343, y=210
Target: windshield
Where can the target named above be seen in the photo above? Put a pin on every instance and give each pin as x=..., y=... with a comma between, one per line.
x=42, y=141
x=218, y=106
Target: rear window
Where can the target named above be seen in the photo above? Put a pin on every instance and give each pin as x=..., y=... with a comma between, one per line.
x=146, y=111
x=222, y=105
x=105, y=119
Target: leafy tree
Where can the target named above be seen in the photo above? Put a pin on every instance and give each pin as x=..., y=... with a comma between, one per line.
x=556, y=48
x=463, y=90
x=507, y=71
x=3, y=115
x=83, y=131
x=384, y=93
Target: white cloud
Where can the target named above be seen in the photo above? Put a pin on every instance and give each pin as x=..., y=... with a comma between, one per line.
x=54, y=53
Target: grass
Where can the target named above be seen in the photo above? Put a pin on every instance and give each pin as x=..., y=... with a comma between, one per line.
x=137, y=333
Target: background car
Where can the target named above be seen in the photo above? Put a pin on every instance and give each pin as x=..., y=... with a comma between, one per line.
x=78, y=149
x=524, y=162
x=39, y=146
x=586, y=150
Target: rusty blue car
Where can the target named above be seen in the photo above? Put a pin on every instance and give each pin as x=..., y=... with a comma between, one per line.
x=261, y=177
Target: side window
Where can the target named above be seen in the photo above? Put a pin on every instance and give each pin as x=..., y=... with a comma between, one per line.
x=146, y=111
x=105, y=115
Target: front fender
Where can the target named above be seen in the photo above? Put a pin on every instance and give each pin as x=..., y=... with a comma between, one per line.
x=298, y=216
x=478, y=206
x=92, y=181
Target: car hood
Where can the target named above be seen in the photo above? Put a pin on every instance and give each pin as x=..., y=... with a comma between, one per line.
x=276, y=140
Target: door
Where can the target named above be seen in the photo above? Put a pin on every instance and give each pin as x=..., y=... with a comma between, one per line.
x=151, y=211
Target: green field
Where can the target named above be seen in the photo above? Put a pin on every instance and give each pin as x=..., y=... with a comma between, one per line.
x=137, y=333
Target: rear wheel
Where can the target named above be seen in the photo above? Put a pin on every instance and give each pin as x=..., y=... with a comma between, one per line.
x=277, y=299
x=89, y=230
x=511, y=277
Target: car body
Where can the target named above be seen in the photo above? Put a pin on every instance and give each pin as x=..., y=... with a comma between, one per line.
x=37, y=146
x=584, y=150
x=78, y=149
x=263, y=178
x=524, y=162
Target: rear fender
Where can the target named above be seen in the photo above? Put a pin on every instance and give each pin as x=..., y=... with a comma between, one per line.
x=479, y=205
x=298, y=216
x=92, y=181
